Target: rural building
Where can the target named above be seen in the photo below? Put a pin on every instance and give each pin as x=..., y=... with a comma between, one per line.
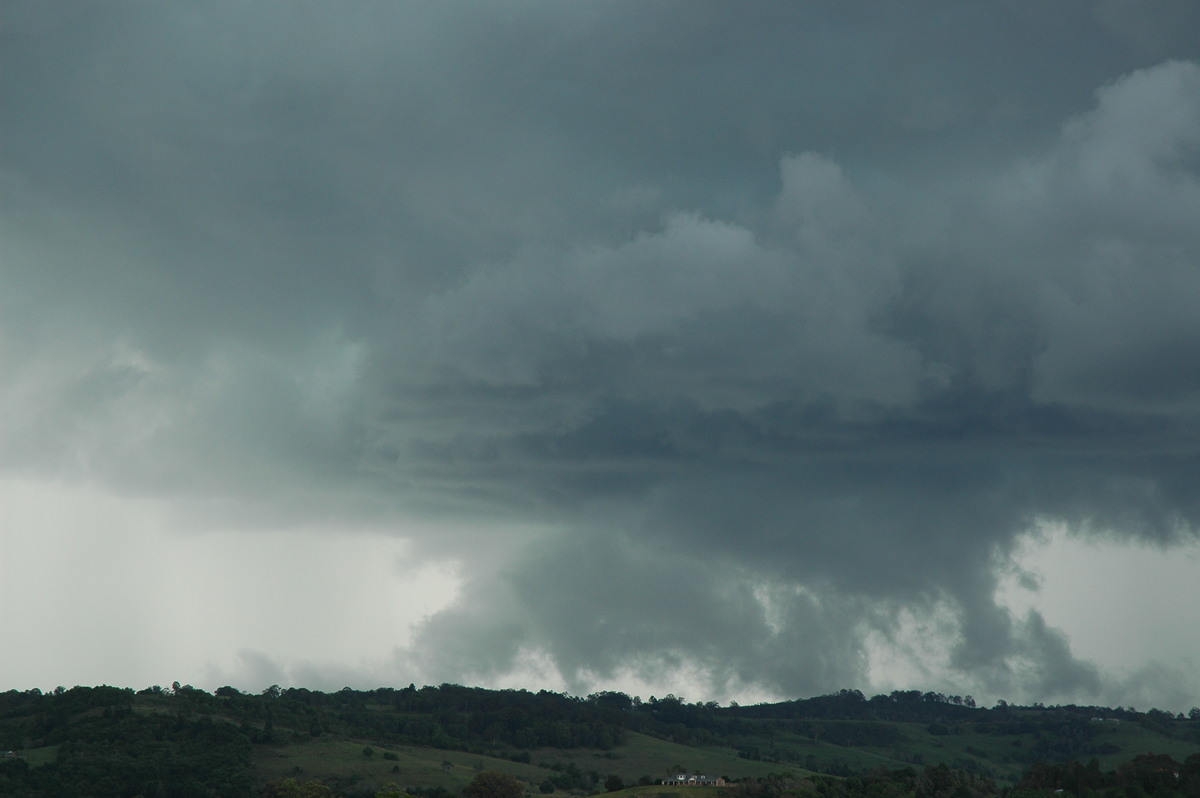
x=694, y=780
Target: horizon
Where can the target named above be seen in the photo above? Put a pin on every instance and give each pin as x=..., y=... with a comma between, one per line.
x=965, y=702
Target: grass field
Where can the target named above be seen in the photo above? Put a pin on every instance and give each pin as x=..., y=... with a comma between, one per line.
x=1135, y=739
x=798, y=748
x=344, y=762
x=40, y=756
x=649, y=756
x=661, y=791
x=1004, y=757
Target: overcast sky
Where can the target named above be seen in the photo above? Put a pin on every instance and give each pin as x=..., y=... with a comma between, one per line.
x=737, y=350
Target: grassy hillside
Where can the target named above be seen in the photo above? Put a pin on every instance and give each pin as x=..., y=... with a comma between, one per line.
x=434, y=741
x=345, y=763
x=643, y=757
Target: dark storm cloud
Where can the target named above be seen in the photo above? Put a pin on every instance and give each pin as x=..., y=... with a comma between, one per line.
x=780, y=324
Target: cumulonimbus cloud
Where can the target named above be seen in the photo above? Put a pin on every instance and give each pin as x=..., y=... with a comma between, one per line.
x=784, y=437
x=730, y=352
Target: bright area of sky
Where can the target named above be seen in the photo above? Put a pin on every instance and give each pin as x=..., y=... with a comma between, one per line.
x=142, y=605
x=737, y=351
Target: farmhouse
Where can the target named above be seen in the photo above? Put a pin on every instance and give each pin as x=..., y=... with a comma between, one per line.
x=694, y=780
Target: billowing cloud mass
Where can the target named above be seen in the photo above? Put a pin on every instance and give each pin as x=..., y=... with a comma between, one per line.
x=744, y=347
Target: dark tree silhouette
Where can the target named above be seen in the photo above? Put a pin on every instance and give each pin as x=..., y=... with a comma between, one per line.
x=494, y=784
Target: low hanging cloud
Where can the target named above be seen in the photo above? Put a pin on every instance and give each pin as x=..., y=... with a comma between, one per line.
x=784, y=436
x=746, y=346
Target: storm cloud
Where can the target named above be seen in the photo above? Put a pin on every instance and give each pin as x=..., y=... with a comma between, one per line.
x=741, y=345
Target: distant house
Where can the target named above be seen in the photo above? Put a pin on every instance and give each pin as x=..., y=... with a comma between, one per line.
x=694, y=780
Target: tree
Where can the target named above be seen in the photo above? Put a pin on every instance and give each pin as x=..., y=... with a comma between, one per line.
x=614, y=783
x=494, y=784
x=392, y=790
x=291, y=788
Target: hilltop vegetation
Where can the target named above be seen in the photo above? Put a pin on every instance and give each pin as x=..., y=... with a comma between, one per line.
x=436, y=741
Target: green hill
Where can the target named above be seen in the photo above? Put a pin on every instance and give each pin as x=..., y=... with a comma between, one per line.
x=433, y=741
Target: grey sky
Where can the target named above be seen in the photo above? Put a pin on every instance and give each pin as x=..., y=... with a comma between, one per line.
x=746, y=347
